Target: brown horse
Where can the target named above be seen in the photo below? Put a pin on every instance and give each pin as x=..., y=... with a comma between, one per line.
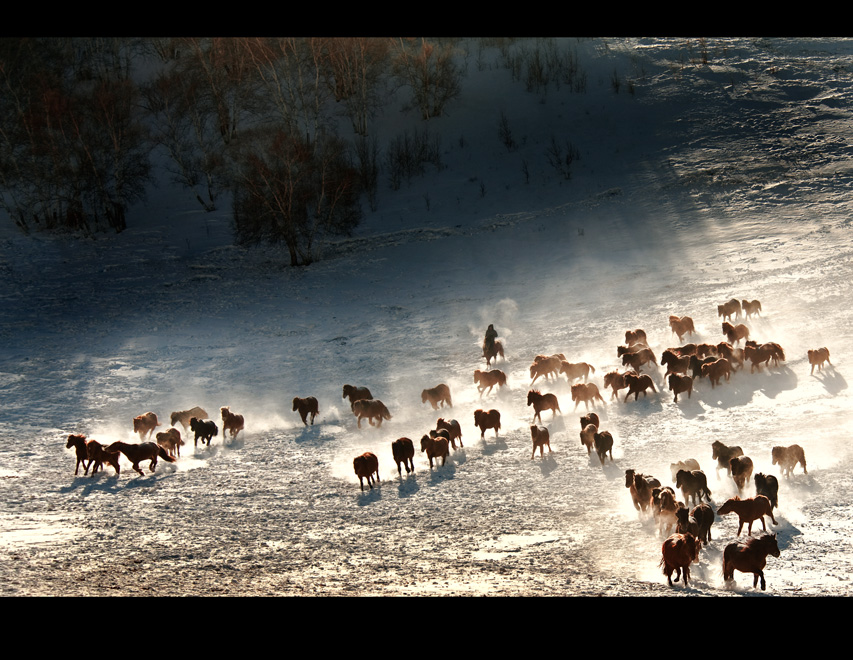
x=541, y=438
x=370, y=409
x=588, y=437
x=365, y=467
x=145, y=424
x=787, y=459
x=633, y=337
x=665, y=508
x=170, y=440
x=487, y=420
x=726, y=310
x=403, y=450
x=305, y=407
x=678, y=384
x=546, y=366
x=488, y=379
x=589, y=418
x=576, y=370
x=749, y=556
x=640, y=486
x=674, y=363
x=681, y=326
x=724, y=455
x=741, y=467
x=136, y=453
x=679, y=551
x=586, y=392
x=184, y=417
x=734, y=333
x=616, y=382
x=354, y=393
x=435, y=448
x=636, y=359
x=638, y=383
x=437, y=396
x=717, y=370
x=817, y=357
x=78, y=442
x=748, y=511
x=687, y=464
x=491, y=352
x=453, y=428
x=751, y=308
x=98, y=456
x=734, y=355
x=542, y=402
x=231, y=422
x=693, y=485
x=757, y=354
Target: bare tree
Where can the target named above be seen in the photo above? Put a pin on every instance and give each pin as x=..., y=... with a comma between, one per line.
x=358, y=65
x=295, y=192
x=431, y=73
x=73, y=154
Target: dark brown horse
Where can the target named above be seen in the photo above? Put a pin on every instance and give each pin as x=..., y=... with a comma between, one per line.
x=484, y=420
x=403, y=450
x=693, y=485
x=453, y=428
x=697, y=521
x=542, y=402
x=679, y=551
x=749, y=556
x=354, y=393
x=136, y=453
x=724, y=455
x=741, y=471
x=638, y=383
x=78, y=442
x=365, y=467
x=603, y=443
x=305, y=407
x=98, y=456
x=491, y=352
x=640, y=486
x=231, y=422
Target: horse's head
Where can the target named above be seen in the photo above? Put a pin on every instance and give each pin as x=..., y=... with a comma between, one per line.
x=679, y=478
x=426, y=441
x=771, y=544
x=629, y=478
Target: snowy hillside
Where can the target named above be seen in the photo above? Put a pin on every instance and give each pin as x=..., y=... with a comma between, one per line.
x=706, y=182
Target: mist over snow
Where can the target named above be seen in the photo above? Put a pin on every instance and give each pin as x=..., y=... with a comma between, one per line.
x=705, y=181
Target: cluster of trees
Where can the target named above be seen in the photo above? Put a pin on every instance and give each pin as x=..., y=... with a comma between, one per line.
x=255, y=117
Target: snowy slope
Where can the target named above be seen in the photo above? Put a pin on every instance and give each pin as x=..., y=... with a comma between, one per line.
x=712, y=181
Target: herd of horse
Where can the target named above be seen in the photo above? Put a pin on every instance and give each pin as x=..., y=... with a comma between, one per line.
x=166, y=445
x=684, y=364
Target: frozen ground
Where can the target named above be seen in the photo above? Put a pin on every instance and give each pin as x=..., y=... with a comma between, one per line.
x=731, y=179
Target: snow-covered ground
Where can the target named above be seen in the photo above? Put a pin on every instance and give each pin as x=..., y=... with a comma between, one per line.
x=711, y=181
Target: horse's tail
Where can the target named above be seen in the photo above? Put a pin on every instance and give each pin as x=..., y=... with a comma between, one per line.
x=164, y=454
x=591, y=368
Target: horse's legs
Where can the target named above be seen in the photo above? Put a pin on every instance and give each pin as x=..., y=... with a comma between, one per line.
x=138, y=469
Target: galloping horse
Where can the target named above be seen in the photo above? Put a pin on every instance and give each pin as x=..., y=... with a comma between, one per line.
x=146, y=451
x=749, y=556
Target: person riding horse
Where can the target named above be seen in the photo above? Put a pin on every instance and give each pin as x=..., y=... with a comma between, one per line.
x=489, y=340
